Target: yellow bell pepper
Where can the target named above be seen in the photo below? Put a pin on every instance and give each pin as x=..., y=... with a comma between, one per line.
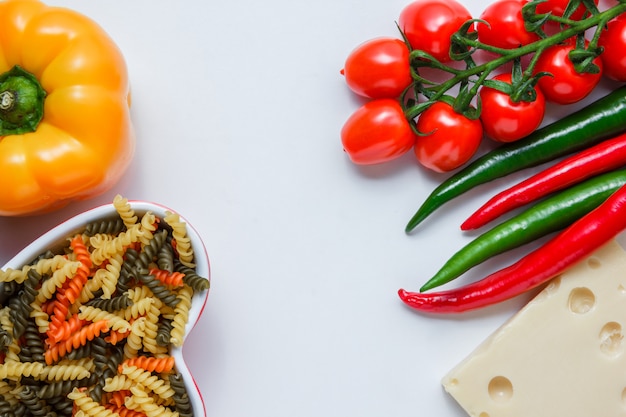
x=65, y=128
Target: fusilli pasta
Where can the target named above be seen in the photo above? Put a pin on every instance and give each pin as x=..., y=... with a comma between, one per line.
x=87, y=330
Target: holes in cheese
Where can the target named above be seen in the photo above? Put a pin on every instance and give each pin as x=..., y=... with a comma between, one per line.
x=611, y=339
x=594, y=262
x=561, y=355
x=581, y=300
x=500, y=389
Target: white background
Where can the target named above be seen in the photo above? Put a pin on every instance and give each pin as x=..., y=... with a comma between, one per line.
x=237, y=108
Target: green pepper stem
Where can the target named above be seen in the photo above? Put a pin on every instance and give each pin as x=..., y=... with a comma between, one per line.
x=21, y=102
x=436, y=92
x=7, y=100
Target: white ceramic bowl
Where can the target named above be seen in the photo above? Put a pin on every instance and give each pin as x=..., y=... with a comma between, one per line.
x=57, y=237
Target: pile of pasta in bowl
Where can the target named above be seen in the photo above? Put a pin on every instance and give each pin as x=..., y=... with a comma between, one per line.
x=94, y=313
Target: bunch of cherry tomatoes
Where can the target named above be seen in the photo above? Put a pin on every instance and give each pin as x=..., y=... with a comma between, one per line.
x=441, y=137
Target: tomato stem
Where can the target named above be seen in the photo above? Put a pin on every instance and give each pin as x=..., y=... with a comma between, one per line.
x=435, y=92
x=21, y=102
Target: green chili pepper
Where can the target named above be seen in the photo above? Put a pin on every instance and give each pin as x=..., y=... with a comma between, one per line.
x=574, y=243
x=599, y=120
x=547, y=216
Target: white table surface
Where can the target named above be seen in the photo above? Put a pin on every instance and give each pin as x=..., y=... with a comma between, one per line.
x=237, y=108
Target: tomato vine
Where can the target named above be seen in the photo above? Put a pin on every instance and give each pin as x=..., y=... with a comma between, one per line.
x=465, y=43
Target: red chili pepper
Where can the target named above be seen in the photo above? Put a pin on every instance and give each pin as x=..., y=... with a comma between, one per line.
x=605, y=156
x=570, y=246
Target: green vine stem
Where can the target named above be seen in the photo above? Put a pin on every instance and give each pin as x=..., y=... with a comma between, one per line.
x=465, y=43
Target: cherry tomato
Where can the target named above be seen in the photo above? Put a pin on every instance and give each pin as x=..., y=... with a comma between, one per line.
x=378, y=68
x=566, y=85
x=557, y=8
x=377, y=132
x=613, y=40
x=450, y=139
x=429, y=24
x=507, y=121
x=505, y=28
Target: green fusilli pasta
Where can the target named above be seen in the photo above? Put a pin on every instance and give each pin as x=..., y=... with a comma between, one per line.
x=72, y=318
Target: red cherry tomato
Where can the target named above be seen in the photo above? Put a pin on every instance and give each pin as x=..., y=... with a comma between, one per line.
x=505, y=28
x=450, y=139
x=377, y=132
x=613, y=40
x=566, y=85
x=507, y=121
x=557, y=8
x=378, y=68
x=429, y=24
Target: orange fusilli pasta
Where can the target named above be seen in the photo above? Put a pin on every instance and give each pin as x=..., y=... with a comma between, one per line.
x=99, y=313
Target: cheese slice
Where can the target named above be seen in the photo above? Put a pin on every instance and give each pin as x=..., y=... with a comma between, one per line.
x=561, y=355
